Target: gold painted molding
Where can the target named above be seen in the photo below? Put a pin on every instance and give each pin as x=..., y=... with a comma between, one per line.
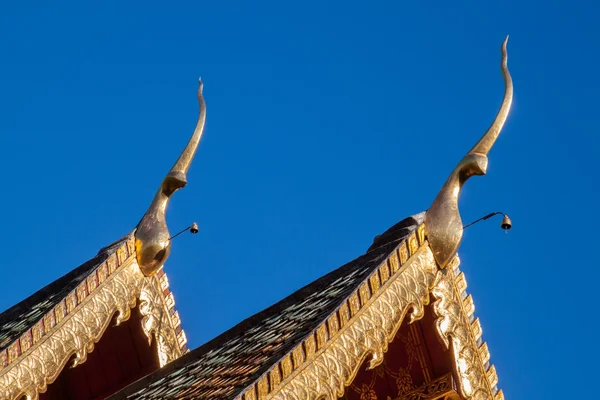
x=368, y=334
x=461, y=332
x=78, y=322
x=328, y=360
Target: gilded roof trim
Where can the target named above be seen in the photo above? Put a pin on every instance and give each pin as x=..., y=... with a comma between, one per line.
x=77, y=322
x=327, y=361
x=461, y=332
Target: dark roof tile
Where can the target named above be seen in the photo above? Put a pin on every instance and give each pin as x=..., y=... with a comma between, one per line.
x=22, y=316
x=224, y=367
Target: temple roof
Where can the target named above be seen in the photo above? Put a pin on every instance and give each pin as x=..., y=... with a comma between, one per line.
x=63, y=322
x=21, y=317
x=235, y=360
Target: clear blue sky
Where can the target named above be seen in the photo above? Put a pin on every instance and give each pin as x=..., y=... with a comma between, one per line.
x=327, y=123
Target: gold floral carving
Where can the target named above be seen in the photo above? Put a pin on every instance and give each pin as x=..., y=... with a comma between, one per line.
x=368, y=333
x=442, y=388
x=71, y=332
x=461, y=332
x=157, y=322
x=328, y=360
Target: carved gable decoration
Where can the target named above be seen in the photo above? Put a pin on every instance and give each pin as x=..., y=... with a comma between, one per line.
x=63, y=321
x=311, y=344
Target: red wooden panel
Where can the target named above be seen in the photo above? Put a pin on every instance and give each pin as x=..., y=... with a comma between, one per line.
x=111, y=367
x=94, y=373
x=147, y=353
x=125, y=349
x=440, y=357
x=415, y=356
x=121, y=357
x=77, y=386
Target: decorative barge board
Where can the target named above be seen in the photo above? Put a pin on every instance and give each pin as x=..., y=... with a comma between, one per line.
x=57, y=327
x=47, y=338
x=321, y=341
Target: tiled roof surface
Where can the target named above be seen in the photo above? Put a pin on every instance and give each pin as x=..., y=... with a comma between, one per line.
x=225, y=366
x=22, y=316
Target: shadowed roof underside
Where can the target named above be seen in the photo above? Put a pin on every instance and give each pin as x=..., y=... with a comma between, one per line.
x=225, y=366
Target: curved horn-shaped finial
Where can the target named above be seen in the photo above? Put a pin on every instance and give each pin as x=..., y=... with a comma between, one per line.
x=152, y=241
x=442, y=222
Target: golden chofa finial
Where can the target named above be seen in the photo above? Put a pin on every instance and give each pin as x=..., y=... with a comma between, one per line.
x=152, y=242
x=442, y=221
